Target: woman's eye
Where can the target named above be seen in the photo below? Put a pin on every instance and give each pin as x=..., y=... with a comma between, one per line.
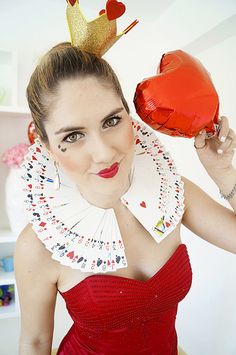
x=114, y=121
x=71, y=138
x=75, y=136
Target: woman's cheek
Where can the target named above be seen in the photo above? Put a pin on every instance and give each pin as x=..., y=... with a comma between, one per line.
x=128, y=139
x=72, y=166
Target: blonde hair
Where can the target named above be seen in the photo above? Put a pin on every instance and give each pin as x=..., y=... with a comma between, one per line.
x=62, y=62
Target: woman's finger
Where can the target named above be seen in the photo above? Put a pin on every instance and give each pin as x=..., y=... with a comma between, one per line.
x=229, y=142
x=199, y=141
x=224, y=128
x=231, y=147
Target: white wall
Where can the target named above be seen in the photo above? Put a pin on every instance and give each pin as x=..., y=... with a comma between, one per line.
x=206, y=322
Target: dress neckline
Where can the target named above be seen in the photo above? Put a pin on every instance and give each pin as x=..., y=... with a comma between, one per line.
x=128, y=279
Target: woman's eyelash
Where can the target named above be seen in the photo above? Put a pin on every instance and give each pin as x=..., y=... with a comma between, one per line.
x=69, y=135
x=114, y=118
x=80, y=133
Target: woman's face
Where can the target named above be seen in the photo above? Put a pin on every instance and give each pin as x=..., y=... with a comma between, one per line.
x=89, y=130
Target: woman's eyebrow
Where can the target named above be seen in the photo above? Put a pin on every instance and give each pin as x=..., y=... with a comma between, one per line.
x=76, y=128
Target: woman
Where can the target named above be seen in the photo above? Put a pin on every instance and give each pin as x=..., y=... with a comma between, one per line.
x=83, y=120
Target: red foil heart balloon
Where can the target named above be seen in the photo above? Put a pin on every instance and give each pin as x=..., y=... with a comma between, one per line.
x=181, y=99
x=32, y=135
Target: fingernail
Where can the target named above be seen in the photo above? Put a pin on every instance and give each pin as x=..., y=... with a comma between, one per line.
x=200, y=132
x=223, y=139
x=220, y=151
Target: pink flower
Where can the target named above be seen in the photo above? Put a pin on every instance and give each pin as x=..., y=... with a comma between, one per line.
x=14, y=156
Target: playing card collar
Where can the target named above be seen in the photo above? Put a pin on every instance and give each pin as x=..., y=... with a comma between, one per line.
x=86, y=237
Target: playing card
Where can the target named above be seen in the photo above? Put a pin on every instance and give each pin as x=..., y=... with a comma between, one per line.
x=86, y=237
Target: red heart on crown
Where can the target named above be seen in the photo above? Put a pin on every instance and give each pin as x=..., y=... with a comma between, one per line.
x=181, y=99
x=103, y=11
x=114, y=9
x=72, y=2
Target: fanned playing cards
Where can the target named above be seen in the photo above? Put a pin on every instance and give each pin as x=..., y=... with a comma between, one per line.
x=86, y=237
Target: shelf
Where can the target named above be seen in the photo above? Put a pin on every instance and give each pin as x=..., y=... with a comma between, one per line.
x=9, y=311
x=7, y=278
x=16, y=117
x=14, y=111
x=12, y=310
x=6, y=236
x=8, y=77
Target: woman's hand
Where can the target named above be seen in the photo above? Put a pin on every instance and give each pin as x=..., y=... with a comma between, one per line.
x=216, y=153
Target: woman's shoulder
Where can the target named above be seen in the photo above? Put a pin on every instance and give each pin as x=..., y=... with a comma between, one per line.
x=197, y=202
x=188, y=188
x=31, y=253
x=27, y=235
x=29, y=242
x=191, y=191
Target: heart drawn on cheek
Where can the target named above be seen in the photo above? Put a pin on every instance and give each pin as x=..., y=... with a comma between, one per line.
x=143, y=204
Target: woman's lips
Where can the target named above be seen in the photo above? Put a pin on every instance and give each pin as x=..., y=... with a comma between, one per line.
x=108, y=173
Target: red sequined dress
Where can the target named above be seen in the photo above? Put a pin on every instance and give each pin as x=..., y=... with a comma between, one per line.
x=117, y=315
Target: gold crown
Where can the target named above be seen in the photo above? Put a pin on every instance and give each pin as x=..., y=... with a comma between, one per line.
x=98, y=35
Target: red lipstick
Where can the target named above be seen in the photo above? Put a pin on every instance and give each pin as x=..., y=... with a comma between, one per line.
x=109, y=173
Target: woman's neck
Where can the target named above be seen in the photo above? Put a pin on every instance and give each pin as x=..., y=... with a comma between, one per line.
x=111, y=200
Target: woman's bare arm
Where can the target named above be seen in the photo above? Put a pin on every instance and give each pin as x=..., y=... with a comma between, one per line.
x=208, y=219
x=36, y=277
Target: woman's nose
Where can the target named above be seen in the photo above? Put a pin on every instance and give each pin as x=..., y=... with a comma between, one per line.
x=102, y=150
